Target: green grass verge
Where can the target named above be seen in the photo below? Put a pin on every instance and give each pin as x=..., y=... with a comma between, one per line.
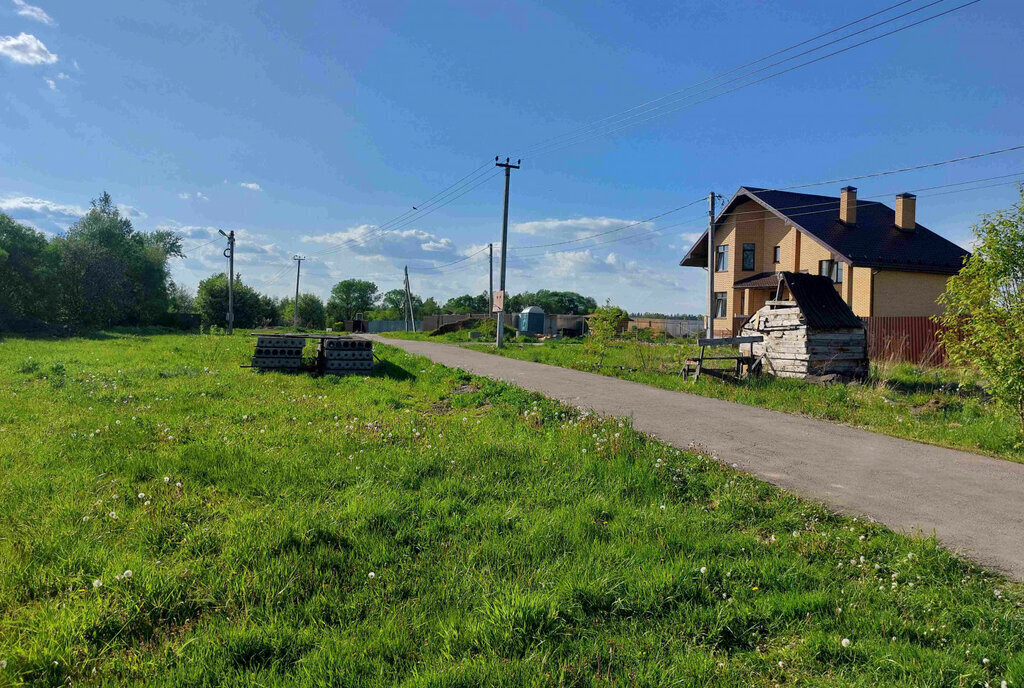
x=421, y=527
x=934, y=405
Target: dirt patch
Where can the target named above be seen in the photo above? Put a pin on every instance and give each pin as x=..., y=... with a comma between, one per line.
x=465, y=389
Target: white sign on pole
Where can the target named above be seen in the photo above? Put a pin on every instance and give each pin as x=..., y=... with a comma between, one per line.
x=499, y=302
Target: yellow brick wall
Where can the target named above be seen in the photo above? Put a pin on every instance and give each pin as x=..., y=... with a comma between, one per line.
x=907, y=293
x=860, y=281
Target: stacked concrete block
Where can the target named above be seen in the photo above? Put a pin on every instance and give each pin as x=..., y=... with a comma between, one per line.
x=345, y=355
x=278, y=353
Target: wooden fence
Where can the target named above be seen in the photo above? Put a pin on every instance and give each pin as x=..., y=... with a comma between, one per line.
x=911, y=339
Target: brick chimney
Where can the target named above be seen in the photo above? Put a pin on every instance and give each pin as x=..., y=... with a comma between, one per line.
x=906, y=206
x=848, y=205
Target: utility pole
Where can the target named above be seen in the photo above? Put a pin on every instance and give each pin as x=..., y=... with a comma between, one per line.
x=504, y=245
x=490, y=283
x=711, y=265
x=229, y=253
x=410, y=314
x=295, y=311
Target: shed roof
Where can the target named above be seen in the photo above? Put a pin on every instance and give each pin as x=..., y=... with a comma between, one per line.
x=818, y=300
x=875, y=241
x=532, y=309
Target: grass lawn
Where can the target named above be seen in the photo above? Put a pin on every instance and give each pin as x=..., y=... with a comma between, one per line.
x=935, y=405
x=168, y=518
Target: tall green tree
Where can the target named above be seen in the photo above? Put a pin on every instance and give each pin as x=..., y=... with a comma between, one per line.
x=983, y=321
x=111, y=274
x=252, y=309
x=311, y=311
x=351, y=297
x=27, y=272
x=467, y=303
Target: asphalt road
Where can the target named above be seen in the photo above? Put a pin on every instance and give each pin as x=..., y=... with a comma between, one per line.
x=973, y=504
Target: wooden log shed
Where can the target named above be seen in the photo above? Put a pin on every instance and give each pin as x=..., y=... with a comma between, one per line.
x=809, y=331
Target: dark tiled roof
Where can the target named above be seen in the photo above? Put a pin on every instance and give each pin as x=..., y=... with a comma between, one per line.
x=821, y=304
x=874, y=241
x=761, y=280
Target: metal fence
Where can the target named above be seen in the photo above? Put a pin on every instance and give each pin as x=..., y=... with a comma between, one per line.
x=374, y=326
x=910, y=339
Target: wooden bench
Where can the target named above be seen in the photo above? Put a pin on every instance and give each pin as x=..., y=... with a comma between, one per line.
x=741, y=360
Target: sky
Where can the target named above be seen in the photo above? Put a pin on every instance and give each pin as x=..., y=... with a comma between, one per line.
x=306, y=127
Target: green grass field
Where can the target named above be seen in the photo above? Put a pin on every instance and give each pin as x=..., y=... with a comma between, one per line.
x=935, y=405
x=168, y=518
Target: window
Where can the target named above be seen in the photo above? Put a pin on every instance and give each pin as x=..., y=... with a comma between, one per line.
x=720, y=304
x=722, y=258
x=748, y=256
x=777, y=255
x=832, y=269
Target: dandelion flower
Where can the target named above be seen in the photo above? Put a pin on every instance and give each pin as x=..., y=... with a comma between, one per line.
x=177, y=484
x=985, y=661
x=374, y=575
x=845, y=642
x=113, y=515
x=703, y=569
x=167, y=479
x=142, y=495
x=97, y=583
x=3, y=665
x=662, y=507
x=127, y=574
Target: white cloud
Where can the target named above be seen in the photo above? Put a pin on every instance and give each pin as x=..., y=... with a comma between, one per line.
x=184, y=195
x=32, y=12
x=51, y=83
x=30, y=209
x=131, y=211
x=407, y=244
x=579, y=226
x=201, y=196
x=26, y=49
x=252, y=186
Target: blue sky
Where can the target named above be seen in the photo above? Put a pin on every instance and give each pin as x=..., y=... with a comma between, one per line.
x=302, y=126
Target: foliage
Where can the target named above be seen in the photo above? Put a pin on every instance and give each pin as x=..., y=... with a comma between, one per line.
x=311, y=311
x=513, y=541
x=252, y=309
x=605, y=323
x=27, y=272
x=467, y=303
x=554, y=302
x=350, y=298
x=392, y=306
x=180, y=298
x=983, y=322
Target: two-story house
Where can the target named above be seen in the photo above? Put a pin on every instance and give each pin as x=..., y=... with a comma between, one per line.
x=883, y=263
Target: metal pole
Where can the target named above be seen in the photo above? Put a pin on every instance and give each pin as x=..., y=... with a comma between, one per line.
x=410, y=314
x=230, y=254
x=490, y=284
x=711, y=265
x=504, y=245
x=295, y=310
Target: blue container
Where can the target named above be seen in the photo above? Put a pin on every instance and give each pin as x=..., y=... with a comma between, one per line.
x=531, y=320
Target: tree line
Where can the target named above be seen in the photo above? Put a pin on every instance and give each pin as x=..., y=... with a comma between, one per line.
x=103, y=272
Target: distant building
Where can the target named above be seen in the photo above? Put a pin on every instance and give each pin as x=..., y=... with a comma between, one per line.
x=880, y=260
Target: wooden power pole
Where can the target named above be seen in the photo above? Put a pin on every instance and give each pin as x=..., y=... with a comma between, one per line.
x=490, y=282
x=504, y=246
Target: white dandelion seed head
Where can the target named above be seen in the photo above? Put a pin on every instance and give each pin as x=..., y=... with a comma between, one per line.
x=113, y=515
x=127, y=574
x=845, y=642
x=703, y=569
x=142, y=495
x=97, y=583
x=372, y=575
x=985, y=661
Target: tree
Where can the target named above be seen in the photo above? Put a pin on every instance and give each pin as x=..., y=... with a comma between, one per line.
x=429, y=307
x=561, y=302
x=109, y=273
x=250, y=305
x=181, y=298
x=27, y=272
x=603, y=326
x=392, y=305
x=311, y=311
x=983, y=322
x=467, y=303
x=351, y=297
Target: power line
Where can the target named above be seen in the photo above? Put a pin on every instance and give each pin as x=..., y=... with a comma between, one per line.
x=718, y=76
x=438, y=267
x=591, y=135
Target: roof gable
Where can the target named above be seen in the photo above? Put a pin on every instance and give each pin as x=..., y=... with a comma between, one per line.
x=874, y=241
